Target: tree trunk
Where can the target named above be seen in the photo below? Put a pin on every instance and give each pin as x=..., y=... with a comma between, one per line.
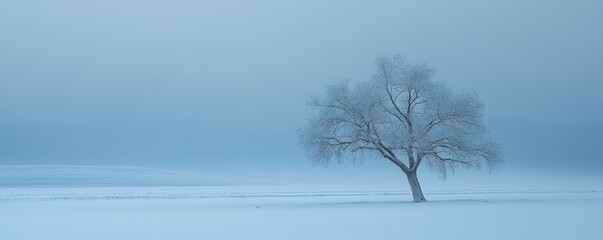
x=417, y=193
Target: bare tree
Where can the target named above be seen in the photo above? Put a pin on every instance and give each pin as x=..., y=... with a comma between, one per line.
x=403, y=116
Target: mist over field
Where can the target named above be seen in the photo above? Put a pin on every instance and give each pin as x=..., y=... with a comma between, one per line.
x=172, y=115
x=188, y=83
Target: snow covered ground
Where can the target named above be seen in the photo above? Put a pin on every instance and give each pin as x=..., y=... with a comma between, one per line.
x=542, y=209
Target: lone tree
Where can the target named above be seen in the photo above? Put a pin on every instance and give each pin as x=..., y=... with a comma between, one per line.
x=402, y=115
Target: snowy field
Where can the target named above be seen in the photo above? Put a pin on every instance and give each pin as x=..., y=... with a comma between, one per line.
x=290, y=210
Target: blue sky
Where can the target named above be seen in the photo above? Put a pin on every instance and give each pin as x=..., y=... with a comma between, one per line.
x=220, y=83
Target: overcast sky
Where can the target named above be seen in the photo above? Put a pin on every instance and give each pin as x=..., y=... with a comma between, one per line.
x=214, y=82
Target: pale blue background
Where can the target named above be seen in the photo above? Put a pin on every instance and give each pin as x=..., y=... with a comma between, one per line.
x=224, y=83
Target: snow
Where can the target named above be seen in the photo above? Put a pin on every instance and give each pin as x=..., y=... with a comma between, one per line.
x=299, y=210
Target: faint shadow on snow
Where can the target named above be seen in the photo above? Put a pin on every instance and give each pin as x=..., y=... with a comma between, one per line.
x=394, y=202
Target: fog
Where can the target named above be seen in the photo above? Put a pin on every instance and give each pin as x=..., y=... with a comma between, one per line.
x=225, y=83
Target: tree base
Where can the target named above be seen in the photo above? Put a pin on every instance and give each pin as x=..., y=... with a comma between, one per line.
x=415, y=187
